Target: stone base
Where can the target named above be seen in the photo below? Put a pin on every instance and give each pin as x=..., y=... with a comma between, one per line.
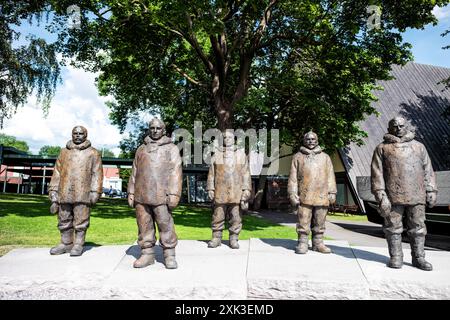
x=275, y=271
x=260, y=269
x=408, y=282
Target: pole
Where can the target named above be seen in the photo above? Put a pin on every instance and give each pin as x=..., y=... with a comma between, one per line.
x=6, y=178
x=19, y=183
x=43, y=181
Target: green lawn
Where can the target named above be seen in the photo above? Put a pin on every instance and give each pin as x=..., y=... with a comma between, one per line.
x=25, y=221
x=347, y=217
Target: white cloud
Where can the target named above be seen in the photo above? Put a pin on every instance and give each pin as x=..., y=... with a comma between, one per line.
x=442, y=13
x=76, y=103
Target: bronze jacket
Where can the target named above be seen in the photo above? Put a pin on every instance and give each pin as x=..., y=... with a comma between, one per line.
x=229, y=175
x=312, y=177
x=156, y=172
x=78, y=171
x=401, y=167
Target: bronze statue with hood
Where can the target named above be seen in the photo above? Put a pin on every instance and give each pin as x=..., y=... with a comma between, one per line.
x=154, y=189
x=75, y=187
x=403, y=182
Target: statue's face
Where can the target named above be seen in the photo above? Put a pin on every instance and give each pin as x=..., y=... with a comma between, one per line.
x=228, y=139
x=310, y=141
x=156, y=130
x=79, y=135
x=398, y=127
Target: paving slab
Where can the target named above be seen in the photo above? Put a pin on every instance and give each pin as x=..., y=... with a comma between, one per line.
x=33, y=273
x=275, y=271
x=203, y=273
x=407, y=282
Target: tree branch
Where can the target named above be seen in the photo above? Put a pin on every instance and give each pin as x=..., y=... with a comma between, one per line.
x=192, y=39
x=185, y=75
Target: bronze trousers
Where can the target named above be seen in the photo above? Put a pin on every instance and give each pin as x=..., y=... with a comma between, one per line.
x=415, y=220
x=146, y=217
x=221, y=212
x=307, y=214
x=73, y=216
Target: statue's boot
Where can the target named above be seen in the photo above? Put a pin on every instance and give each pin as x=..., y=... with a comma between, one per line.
x=66, y=243
x=216, y=240
x=147, y=258
x=234, y=241
x=77, y=249
x=318, y=245
x=302, y=245
x=418, y=253
x=395, y=251
x=169, y=259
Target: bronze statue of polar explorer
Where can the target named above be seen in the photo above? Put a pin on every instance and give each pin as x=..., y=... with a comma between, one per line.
x=403, y=182
x=154, y=189
x=311, y=188
x=75, y=187
x=229, y=187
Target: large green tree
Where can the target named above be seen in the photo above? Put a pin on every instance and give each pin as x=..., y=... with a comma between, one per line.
x=191, y=60
x=26, y=65
x=10, y=141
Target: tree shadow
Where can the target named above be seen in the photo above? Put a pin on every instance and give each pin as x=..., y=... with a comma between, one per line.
x=427, y=115
x=135, y=251
x=343, y=251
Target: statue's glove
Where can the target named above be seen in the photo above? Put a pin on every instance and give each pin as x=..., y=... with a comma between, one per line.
x=131, y=200
x=295, y=199
x=211, y=195
x=332, y=198
x=172, y=201
x=379, y=195
x=244, y=205
x=54, y=208
x=53, y=196
x=431, y=198
x=245, y=195
x=93, y=197
x=384, y=204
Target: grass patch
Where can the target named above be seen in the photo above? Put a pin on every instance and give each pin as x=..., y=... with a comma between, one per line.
x=25, y=221
x=346, y=217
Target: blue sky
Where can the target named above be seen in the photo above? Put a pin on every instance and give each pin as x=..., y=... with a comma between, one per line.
x=427, y=44
x=77, y=100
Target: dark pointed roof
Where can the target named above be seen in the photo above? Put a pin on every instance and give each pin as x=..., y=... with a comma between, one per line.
x=416, y=95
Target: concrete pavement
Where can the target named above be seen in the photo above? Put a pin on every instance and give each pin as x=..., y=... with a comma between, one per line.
x=260, y=269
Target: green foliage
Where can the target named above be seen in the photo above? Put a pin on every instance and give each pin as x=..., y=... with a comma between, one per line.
x=50, y=151
x=106, y=153
x=27, y=68
x=10, y=141
x=293, y=65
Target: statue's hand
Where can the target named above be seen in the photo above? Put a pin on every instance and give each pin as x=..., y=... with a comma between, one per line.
x=211, y=195
x=379, y=195
x=93, y=197
x=385, y=206
x=332, y=198
x=295, y=199
x=54, y=208
x=172, y=201
x=431, y=199
x=244, y=205
x=131, y=200
x=245, y=195
x=53, y=196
